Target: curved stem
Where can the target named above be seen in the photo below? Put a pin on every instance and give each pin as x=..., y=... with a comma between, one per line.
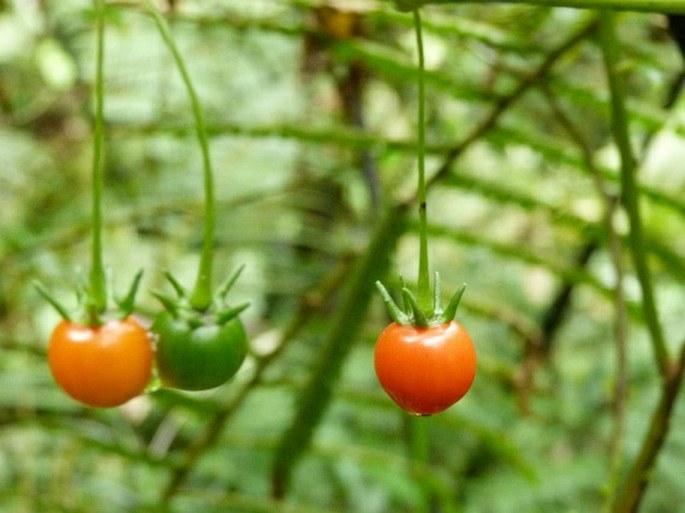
x=610, y=206
x=98, y=294
x=638, y=478
x=424, y=293
x=629, y=189
x=316, y=394
x=201, y=297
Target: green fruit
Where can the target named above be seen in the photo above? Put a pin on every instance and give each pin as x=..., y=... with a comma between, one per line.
x=200, y=353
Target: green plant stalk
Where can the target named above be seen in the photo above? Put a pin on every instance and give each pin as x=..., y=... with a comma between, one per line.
x=349, y=316
x=610, y=205
x=424, y=292
x=97, y=295
x=633, y=488
x=418, y=444
x=629, y=190
x=663, y=6
x=201, y=296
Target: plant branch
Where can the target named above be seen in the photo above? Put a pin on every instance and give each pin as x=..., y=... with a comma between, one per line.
x=631, y=492
x=610, y=206
x=630, y=495
x=662, y=6
x=629, y=189
x=317, y=392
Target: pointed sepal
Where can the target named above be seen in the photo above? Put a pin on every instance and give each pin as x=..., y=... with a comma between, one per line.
x=170, y=304
x=127, y=303
x=412, y=313
x=418, y=317
x=63, y=312
x=231, y=313
x=227, y=285
x=451, y=311
x=396, y=314
x=180, y=290
x=181, y=306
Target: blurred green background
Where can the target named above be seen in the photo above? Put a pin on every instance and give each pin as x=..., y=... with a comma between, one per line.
x=311, y=107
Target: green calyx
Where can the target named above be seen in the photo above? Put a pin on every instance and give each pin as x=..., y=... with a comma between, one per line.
x=218, y=311
x=412, y=314
x=89, y=309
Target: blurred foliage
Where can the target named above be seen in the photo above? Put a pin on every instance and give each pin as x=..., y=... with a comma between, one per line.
x=311, y=107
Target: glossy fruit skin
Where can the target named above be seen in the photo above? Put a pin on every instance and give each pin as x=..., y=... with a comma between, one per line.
x=425, y=370
x=198, y=357
x=101, y=366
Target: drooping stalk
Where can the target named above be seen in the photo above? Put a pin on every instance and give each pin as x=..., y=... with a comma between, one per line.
x=201, y=296
x=424, y=292
x=97, y=295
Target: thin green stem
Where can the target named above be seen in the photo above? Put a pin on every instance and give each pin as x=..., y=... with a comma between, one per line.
x=610, y=205
x=629, y=188
x=664, y=6
x=424, y=295
x=638, y=478
x=201, y=297
x=97, y=299
x=316, y=394
x=418, y=441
